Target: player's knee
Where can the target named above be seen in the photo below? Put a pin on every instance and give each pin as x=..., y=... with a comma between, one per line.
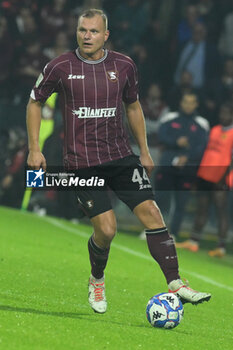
x=154, y=211
x=107, y=230
x=153, y=217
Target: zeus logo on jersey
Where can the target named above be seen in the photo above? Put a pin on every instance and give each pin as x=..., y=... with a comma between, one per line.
x=87, y=112
x=71, y=76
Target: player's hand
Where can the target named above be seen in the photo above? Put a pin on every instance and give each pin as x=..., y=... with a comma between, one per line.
x=147, y=163
x=183, y=142
x=36, y=160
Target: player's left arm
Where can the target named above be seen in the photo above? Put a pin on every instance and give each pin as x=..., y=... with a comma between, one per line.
x=136, y=122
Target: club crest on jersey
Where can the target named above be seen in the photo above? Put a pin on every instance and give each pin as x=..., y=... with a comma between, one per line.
x=112, y=75
x=90, y=204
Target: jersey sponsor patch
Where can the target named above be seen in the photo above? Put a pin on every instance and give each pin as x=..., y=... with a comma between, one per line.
x=87, y=112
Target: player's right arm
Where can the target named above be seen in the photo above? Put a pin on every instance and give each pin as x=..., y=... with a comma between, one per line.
x=36, y=159
x=45, y=85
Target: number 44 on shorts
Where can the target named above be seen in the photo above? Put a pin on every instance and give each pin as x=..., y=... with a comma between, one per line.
x=143, y=181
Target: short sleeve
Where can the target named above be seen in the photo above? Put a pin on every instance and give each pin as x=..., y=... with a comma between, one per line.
x=46, y=84
x=130, y=93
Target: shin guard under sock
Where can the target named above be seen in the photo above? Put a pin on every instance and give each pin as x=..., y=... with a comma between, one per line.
x=98, y=258
x=162, y=248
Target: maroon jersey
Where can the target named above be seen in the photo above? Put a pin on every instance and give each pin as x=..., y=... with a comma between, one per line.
x=91, y=95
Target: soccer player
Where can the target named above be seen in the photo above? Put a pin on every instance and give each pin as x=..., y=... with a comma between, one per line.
x=93, y=83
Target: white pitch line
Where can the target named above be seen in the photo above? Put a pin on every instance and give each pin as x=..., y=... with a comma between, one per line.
x=208, y=280
x=77, y=232
x=64, y=227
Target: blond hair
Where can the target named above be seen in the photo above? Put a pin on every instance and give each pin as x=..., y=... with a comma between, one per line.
x=93, y=12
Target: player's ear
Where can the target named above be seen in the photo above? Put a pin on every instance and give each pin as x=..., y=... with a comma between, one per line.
x=106, y=35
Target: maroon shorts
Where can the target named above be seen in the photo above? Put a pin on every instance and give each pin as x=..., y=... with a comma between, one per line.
x=126, y=177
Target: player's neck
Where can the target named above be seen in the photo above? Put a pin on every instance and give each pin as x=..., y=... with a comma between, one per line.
x=92, y=57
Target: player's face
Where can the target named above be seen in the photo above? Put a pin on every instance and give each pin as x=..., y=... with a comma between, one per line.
x=91, y=36
x=189, y=104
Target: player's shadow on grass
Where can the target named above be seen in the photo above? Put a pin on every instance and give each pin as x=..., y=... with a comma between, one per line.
x=41, y=312
x=75, y=316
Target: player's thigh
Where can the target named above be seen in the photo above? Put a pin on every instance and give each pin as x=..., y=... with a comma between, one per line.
x=131, y=183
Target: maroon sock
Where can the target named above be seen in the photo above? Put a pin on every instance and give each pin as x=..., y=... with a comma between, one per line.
x=98, y=258
x=162, y=248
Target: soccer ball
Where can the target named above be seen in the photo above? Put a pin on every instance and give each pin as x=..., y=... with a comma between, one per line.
x=164, y=310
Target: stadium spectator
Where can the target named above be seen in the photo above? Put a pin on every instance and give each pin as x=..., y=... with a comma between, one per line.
x=154, y=108
x=53, y=19
x=213, y=183
x=199, y=57
x=6, y=59
x=176, y=92
x=26, y=26
x=144, y=61
x=211, y=14
x=157, y=38
x=30, y=63
x=129, y=24
x=165, y=13
x=183, y=137
x=153, y=46
x=186, y=25
x=23, y=19
x=97, y=143
x=226, y=38
x=71, y=27
x=61, y=45
x=12, y=8
x=219, y=90
x=205, y=7
x=12, y=183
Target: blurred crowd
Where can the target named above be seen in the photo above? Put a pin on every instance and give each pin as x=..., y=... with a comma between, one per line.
x=177, y=45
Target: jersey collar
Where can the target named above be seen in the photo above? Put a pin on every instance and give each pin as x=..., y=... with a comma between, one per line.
x=91, y=62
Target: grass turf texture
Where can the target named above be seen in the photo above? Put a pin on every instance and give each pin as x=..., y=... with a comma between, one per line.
x=44, y=268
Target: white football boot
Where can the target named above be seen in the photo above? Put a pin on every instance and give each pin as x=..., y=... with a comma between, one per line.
x=186, y=294
x=96, y=295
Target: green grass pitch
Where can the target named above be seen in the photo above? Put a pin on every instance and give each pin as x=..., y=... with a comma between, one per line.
x=44, y=268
